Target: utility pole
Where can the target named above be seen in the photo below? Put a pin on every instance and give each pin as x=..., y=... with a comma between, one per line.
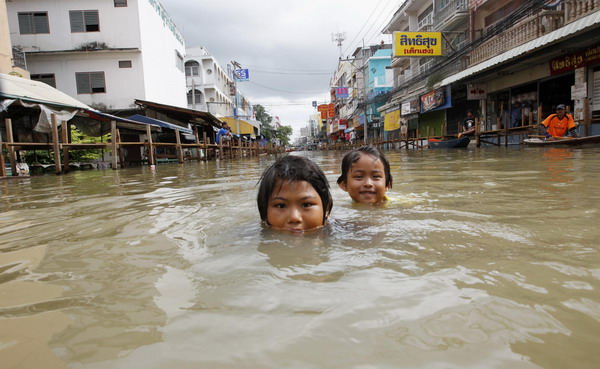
x=235, y=111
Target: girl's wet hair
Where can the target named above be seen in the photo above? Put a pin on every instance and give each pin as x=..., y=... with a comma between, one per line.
x=293, y=168
x=354, y=155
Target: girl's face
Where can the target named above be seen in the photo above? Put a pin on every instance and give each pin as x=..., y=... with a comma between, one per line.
x=295, y=206
x=365, y=182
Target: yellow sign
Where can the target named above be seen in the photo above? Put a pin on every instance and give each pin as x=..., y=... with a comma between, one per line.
x=417, y=43
x=391, y=121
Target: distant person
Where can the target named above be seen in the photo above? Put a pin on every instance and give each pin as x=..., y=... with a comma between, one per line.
x=468, y=126
x=223, y=133
x=294, y=195
x=515, y=115
x=558, y=125
x=365, y=175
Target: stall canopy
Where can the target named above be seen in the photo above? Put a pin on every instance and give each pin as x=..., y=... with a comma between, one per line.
x=183, y=115
x=160, y=123
x=17, y=91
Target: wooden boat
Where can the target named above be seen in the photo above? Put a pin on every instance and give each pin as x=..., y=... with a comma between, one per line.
x=564, y=141
x=449, y=144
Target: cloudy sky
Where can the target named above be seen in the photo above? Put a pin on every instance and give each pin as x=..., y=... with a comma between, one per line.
x=286, y=45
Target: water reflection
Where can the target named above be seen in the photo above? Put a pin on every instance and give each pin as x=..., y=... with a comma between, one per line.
x=483, y=258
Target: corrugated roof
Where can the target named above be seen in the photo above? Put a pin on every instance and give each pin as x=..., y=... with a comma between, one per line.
x=533, y=45
x=160, y=123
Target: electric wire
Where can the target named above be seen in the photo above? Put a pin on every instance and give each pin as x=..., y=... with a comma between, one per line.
x=361, y=28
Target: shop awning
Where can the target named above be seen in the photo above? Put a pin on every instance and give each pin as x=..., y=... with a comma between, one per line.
x=160, y=123
x=183, y=115
x=579, y=25
x=246, y=125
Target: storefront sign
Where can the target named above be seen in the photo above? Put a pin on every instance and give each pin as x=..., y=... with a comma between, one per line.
x=569, y=62
x=341, y=92
x=433, y=99
x=596, y=97
x=331, y=111
x=579, y=91
x=417, y=44
x=343, y=124
x=476, y=92
x=391, y=121
x=323, y=109
x=410, y=107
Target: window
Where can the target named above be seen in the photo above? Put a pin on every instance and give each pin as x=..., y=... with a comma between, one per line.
x=124, y=63
x=178, y=60
x=120, y=3
x=48, y=79
x=90, y=82
x=84, y=21
x=33, y=22
x=191, y=68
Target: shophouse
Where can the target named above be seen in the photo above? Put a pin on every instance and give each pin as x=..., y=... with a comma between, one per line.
x=510, y=61
x=105, y=54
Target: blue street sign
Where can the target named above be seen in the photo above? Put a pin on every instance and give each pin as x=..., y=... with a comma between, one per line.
x=242, y=74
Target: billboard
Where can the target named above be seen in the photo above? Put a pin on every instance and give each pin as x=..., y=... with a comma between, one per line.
x=417, y=44
x=242, y=74
x=341, y=92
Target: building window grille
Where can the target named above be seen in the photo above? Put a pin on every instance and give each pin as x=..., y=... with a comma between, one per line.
x=31, y=23
x=124, y=63
x=84, y=21
x=90, y=82
x=120, y=3
x=192, y=68
x=48, y=79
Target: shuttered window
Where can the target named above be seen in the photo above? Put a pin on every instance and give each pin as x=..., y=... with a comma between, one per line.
x=33, y=22
x=90, y=82
x=124, y=63
x=48, y=79
x=84, y=21
x=120, y=3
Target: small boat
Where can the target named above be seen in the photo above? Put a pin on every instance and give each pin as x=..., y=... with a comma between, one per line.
x=449, y=144
x=563, y=141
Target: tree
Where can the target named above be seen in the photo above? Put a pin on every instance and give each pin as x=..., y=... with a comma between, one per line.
x=284, y=133
x=262, y=116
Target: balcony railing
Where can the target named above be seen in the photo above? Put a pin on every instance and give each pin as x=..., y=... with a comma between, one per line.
x=426, y=23
x=449, y=10
x=580, y=8
x=526, y=30
x=19, y=58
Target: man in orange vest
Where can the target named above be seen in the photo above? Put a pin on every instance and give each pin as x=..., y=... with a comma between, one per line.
x=559, y=124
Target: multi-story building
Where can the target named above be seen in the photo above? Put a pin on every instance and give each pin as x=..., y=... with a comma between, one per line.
x=103, y=53
x=510, y=61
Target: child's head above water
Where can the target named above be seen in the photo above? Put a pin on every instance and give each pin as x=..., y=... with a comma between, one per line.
x=294, y=195
x=365, y=175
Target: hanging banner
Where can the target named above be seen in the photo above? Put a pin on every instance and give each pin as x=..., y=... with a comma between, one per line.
x=324, y=110
x=331, y=111
x=433, y=99
x=417, y=44
x=391, y=121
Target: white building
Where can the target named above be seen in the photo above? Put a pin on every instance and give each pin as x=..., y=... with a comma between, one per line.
x=208, y=84
x=103, y=53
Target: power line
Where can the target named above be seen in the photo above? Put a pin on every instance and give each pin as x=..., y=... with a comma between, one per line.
x=255, y=70
x=381, y=12
x=288, y=92
x=363, y=26
x=287, y=70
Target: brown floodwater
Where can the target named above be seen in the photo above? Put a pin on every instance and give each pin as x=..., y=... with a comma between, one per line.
x=481, y=259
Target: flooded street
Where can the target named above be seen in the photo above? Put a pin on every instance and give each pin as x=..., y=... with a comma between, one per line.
x=481, y=259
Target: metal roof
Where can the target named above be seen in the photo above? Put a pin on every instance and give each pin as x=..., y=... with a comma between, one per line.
x=160, y=123
x=533, y=45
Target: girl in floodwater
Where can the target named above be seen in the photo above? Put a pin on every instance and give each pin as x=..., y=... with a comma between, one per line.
x=366, y=175
x=294, y=195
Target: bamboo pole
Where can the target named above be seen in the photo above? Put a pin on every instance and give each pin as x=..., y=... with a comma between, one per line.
x=221, y=148
x=587, y=119
x=56, y=144
x=197, y=143
x=11, y=150
x=113, y=143
x=178, y=146
x=205, y=138
x=121, y=155
x=150, y=146
x=477, y=133
x=65, y=150
x=2, y=165
x=240, y=145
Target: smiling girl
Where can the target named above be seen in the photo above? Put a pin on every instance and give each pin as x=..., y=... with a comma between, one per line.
x=294, y=195
x=365, y=175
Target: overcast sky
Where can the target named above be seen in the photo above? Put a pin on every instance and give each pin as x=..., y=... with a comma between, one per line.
x=286, y=45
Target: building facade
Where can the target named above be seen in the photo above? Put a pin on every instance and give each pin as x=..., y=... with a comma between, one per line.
x=103, y=53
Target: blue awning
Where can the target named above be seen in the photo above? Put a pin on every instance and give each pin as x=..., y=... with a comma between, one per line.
x=160, y=123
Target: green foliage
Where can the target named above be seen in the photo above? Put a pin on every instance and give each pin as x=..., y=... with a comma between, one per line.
x=262, y=116
x=284, y=133
x=83, y=155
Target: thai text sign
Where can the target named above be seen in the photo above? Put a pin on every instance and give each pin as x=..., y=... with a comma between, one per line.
x=569, y=62
x=410, y=107
x=476, y=91
x=417, y=43
x=331, y=111
x=323, y=109
x=433, y=99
